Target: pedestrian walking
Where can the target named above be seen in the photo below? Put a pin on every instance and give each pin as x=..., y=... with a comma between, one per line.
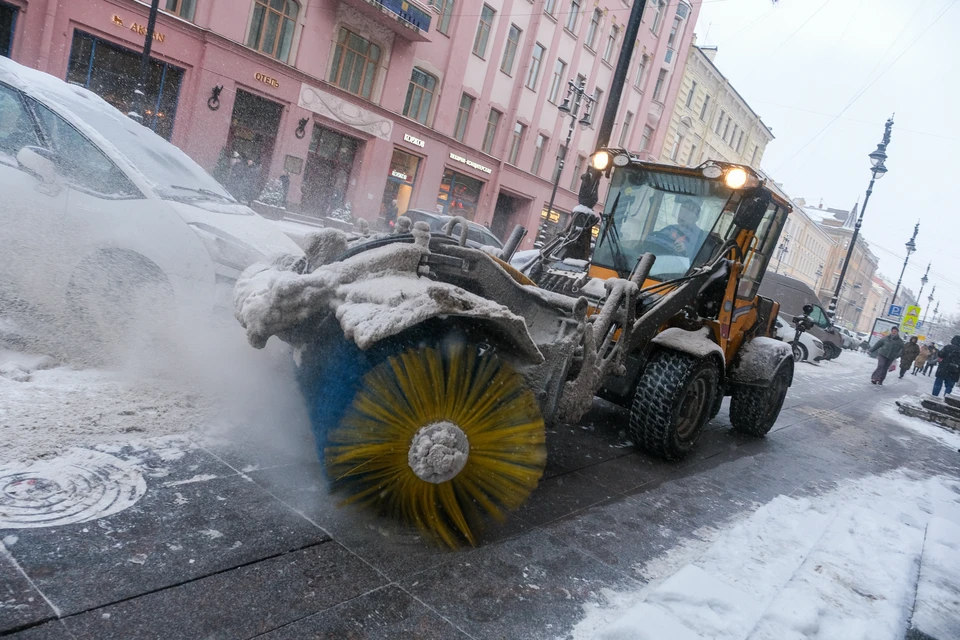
x=948, y=372
x=931, y=360
x=921, y=360
x=910, y=352
x=887, y=349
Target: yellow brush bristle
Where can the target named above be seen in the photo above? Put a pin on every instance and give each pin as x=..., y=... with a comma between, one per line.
x=367, y=453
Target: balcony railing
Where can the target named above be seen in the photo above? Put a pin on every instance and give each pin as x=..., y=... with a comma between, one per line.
x=404, y=17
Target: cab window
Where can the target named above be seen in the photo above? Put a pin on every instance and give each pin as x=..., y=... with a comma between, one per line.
x=16, y=127
x=79, y=162
x=819, y=317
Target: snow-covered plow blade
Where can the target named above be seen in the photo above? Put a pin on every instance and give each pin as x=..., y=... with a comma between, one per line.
x=427, y=388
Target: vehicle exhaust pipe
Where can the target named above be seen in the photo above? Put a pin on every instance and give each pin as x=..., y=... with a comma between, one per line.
x=513, y=242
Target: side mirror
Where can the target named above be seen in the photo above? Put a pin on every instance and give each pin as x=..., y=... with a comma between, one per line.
x=37, y=161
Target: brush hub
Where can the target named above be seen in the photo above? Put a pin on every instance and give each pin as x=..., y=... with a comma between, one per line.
x=438, y=452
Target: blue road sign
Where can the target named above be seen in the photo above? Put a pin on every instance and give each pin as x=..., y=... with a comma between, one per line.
x=895, y=310
x=919, y=324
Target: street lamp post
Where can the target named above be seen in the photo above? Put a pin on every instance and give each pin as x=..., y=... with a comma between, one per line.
x=929, y=302
x=819, y=274
x=139, y=94
x=923, y=281
x=578, y=94
x=911, y=247
x=876, y=159
x=783, y=248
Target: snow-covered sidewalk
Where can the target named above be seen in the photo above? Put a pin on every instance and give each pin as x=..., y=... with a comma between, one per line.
x=845, y=564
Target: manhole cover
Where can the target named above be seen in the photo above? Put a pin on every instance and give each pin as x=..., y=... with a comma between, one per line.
x=78, y=486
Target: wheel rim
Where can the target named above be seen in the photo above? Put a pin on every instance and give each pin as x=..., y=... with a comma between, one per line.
x=439, y=439
x=797, y=353
x=692, y=407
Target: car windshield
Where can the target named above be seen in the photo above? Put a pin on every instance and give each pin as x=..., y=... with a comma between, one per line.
x=173, y=173
x=669, y=215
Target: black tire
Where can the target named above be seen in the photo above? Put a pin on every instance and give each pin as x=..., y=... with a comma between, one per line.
x=754, y=410
x=800, y=353
x=673, y=400
x=830, y=351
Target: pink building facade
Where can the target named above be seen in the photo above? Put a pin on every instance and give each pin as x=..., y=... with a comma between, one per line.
x=450, y=107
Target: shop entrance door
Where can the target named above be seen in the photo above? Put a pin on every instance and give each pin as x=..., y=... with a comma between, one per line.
x=253, y=134
x=327, y=174
x=504, y=214
x=8, y=22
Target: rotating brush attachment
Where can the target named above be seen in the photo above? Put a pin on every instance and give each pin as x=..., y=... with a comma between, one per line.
x=439, y=437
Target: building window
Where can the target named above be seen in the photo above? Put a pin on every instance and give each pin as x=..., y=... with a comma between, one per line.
x=573, y=15
x=519, y=131
x=598, y=100
x=753, y=158
x=594, y=29
x=463, y=117
x=733, y=136
x=490, y=134
x=550, y=7
x=8, y=24
x=611, y=43
x=657, y=6
x=111, y=72
x=419, y=95
x=355, y=63
x=677, y=144
x=726, y=130
x=625, y=132
x=561, y=154
x=661, y=80
x=641, y=68
x=703, y=111
x=483, y=31
x=720, y=122
x=271, y=30
x=647, y=138
x=692, y=94
x=537, y=59
x=445, y=7
x=677, y=28
x=183, y=8
x=538, y=153
x=692, y=157
x=510, y=51
x=577, y=172
x=559, y=69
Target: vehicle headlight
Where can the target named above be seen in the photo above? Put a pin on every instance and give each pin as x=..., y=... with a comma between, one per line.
x=818, y=344
x=738, y=177
x=600, y=160
x=226, y=249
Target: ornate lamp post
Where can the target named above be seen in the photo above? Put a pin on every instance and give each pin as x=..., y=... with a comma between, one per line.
x=819, y=275
x=577, y=93
x=911, y=247
x=923, y=281
x=139, y=94
x=878, y=170
x=929, y=303
x=783, y=248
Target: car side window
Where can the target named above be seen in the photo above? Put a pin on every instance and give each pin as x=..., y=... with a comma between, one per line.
x=83, y=165
x=16, y=126
x=819, y=317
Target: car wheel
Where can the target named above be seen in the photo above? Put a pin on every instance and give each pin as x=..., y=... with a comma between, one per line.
x=799, y=353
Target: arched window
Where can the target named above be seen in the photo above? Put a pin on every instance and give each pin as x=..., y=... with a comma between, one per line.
x=355, y=61
x=419, y=95
x=272, y=27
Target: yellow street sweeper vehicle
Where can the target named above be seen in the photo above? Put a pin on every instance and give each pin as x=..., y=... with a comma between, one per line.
x=431, y=368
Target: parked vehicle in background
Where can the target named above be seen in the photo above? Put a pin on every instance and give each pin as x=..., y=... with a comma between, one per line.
x=808, y=348
x=477, y=234
x=850, y=339
x=792, y=294
x=103, y=219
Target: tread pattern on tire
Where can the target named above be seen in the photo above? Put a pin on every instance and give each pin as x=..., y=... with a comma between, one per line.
x=748, y=406
x=652, y=424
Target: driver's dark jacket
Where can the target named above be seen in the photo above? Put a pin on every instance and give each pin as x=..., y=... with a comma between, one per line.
x=675, y=232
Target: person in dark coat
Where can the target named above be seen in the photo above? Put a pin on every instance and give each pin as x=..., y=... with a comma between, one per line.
x=949, y=370
x=887, y=349
x=932, y=360
x=910, y=352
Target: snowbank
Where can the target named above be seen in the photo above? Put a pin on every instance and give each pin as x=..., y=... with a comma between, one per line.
x=841, y=565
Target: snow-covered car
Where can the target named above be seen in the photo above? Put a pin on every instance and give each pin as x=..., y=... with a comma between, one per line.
x=810, y=348
x=477, y=235
x=95, y=205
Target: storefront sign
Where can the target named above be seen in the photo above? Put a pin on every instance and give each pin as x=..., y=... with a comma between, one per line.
x=137, y=28
x=399, y=174
x=265, y=79
x=417, y=141
x=470, y=163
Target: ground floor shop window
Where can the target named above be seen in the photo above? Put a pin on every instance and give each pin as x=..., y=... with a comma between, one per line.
x=400, y=181
x=250, y=142
x=8, y=22
x=327, y=174
x=112, y=71
x=459, y=195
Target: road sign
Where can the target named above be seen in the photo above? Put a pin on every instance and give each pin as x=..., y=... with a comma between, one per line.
x=895, y=311
x=919, y=324
x=910, y=319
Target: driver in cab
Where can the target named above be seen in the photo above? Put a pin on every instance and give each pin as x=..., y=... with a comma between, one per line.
x=685, y=236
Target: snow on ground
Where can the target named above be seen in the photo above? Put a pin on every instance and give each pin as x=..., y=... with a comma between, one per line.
x=848, y=362
x=944, y=434
x=840, y=565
